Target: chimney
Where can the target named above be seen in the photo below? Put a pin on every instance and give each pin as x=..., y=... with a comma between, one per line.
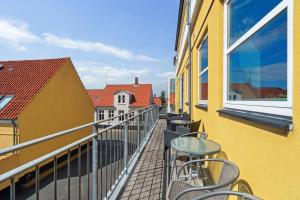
x=136, y=81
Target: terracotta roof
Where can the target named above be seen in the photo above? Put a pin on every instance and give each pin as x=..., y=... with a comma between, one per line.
x=104, y=97
x=24, y=79
x=157, y=101
x=95, y=95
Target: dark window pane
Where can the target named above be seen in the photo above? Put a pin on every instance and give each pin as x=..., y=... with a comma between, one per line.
x=243, y=14
x=204, y=86
x=258, y=67
x=204, y=55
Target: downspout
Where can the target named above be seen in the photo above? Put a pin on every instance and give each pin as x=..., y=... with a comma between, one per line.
x=188, y=7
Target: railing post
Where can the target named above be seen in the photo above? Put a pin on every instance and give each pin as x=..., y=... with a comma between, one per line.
x=138, y=131
x=146, y=122
x=95, y=164
x=126, y=142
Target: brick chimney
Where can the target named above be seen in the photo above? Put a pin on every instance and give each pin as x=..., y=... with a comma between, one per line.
x=136, y=81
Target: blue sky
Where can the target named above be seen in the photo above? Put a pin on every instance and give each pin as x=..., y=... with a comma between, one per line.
x=109, y=40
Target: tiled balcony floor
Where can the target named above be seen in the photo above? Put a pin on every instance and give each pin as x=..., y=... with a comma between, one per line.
x=146, y=181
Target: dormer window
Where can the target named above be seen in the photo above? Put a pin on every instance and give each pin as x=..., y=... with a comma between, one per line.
x=119, y=98
x=4, y=100
x=123, y=98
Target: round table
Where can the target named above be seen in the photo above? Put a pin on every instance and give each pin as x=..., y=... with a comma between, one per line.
x=181, y=122
x=195, y=146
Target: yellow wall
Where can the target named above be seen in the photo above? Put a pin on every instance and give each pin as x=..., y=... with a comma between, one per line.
x=6, y=137
x=268, y=162
x=62, y=104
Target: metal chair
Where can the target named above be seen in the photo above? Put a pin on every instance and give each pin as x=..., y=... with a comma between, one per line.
x=228, y=174
x=225, y=194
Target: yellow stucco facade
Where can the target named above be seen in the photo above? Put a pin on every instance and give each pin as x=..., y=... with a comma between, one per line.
x=268, y=162
x=62, y=103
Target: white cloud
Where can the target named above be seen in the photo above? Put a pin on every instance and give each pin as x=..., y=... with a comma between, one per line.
x=166, y=74
x=95, y=74
x=99, y=47
x=15, y=34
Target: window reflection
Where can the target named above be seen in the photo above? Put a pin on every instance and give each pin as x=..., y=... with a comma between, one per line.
x=258, y=67
x=243, y=16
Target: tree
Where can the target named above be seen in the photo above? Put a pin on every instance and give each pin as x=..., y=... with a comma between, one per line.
x=162, y=97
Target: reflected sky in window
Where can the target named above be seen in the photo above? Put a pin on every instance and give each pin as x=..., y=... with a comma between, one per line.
x=244, y=14
x=204, y=55
x=258, y=67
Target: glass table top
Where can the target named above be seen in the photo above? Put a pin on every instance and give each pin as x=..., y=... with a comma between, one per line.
x=195, y=146
x=181, y=121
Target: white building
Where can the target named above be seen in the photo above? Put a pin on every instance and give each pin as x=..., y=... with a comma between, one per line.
x=118, y=99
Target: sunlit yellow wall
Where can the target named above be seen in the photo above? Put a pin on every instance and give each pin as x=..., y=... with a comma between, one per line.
x=268, y=162
x=6, y=137
x=62, y=104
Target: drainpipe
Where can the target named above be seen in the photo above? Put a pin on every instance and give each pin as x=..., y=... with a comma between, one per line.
x=188, y=7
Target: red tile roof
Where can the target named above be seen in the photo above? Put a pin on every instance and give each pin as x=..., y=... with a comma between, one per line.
x=157, y=101
x=24, y=79
x=104, y=97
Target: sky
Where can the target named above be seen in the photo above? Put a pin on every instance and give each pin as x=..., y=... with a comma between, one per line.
x=109, y=41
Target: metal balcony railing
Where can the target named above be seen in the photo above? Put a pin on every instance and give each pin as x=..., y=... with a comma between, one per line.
x=104, y=160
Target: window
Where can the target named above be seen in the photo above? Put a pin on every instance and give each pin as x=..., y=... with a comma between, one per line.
x=101, y=114
x=122, y=117
x=123, y=98
x=203, y=71
x=4, y=100
x=119, y=98
x=258, y=56
x=181, y=91
x=111, y=114
x=187, y=84
x=131, y=114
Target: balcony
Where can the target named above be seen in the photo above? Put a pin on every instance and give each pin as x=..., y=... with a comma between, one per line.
x=95, y=167
x=123, y=161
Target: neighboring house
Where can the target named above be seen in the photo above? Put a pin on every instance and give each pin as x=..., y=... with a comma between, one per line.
x=245, y=86
x=157, y=101
x=38, y=98
x=115, y=100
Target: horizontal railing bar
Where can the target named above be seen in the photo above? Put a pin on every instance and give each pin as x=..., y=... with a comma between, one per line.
x=14, y=172
x=62, y=133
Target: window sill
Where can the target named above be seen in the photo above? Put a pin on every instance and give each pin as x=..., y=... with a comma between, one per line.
x=202, y=106
x=276, y=121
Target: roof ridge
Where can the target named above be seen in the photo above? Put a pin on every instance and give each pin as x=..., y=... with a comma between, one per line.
x=35, y=60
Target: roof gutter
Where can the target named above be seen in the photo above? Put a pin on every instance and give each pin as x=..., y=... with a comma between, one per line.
x=8, y=121
x=179, y=23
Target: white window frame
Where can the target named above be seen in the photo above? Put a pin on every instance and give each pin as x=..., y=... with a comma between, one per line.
x=271, y=107
x=101, y=112
x=200, y=101
x=111, y=113
x=121, y=112
x=181, y=100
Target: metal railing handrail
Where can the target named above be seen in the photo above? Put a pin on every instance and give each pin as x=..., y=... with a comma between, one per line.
x=65, y=132
x=31, y=164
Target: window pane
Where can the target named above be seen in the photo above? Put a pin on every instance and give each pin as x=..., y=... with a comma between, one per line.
x=203, y=55
x=204, y=86
x=5, y=100
x=243, y=14
x=258, y=67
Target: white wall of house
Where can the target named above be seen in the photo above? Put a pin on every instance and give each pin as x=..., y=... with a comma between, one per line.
x=124, y=105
